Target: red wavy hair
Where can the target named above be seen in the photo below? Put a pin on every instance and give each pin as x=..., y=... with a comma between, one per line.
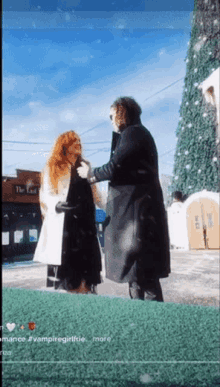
x=58, y=164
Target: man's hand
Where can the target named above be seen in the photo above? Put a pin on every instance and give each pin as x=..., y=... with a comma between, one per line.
x=83, y=171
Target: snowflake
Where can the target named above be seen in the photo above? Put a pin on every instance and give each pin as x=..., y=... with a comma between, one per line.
x=189, y=125
x=178, y=154
x=210, y=53
x=205, y=115
x=215, y=22
x=213, y=69
x=214, y=159
x=180, y=118
x=195, y=70
x=145, y=378
x=176, y=177
x=187, y=60
x=199, y=171
x=187, y=103
x=196, y=103
x=194, y=56
x=190, y=186
x=196, y=84
x=187, y=166
x=217, y=141
x=186, y=153
x=200, y=137
x=204, y=38
x=198, y=45
x=183, y=127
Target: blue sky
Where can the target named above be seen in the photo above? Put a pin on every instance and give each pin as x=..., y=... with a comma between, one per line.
x=65, y=62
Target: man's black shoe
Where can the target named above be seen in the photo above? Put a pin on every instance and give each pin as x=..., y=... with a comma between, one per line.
x=135, y=291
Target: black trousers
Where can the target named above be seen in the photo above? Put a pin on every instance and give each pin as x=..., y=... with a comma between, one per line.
x=152, y=290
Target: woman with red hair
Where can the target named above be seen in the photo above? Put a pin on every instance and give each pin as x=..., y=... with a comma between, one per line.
x=68, y=241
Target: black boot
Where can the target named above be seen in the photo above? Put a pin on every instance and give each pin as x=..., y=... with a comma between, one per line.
x=135, y=291
x=153, y=291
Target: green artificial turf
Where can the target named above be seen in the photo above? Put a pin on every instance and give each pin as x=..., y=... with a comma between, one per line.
x=127, y=342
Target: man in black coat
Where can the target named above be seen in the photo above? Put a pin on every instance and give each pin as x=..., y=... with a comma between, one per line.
x=136, y=234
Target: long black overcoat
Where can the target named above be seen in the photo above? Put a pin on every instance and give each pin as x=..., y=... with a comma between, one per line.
x=136, y=233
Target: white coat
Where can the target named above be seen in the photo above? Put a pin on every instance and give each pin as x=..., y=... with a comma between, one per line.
x=176, y=224
x=49, y=247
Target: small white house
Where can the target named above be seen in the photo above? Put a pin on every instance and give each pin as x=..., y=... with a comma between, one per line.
x=195, y=224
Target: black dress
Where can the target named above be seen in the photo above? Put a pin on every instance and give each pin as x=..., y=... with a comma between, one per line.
x=81, y=257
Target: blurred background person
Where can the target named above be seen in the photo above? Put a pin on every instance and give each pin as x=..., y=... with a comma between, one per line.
x=175, y=223
x=68, y=241
x=177, y=199
x=136, y=234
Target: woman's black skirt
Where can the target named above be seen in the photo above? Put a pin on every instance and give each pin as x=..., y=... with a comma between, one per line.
x=61, y=277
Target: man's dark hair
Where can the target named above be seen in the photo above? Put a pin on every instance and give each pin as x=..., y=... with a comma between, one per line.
x=185, y=197
x=127, y=111
x=177, y=195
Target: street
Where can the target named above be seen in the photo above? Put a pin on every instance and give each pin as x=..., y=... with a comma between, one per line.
x=194, y=279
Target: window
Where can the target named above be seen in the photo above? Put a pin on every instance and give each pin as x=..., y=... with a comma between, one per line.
x=197, y=223
x=33, y=235
x=210, y=221
x=18, y=236
x=5, y=220
x=5, y=238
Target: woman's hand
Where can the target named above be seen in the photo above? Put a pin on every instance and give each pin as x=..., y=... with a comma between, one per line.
x=83, y=171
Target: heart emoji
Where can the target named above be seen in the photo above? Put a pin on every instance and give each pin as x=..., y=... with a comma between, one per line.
x=10, y=326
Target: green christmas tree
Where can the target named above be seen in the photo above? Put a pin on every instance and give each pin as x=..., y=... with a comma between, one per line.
x=196, y=161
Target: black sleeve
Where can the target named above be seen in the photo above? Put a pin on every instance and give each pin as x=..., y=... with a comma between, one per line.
x=127, y=144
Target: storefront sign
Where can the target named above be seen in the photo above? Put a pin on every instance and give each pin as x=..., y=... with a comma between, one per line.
x=26, y=190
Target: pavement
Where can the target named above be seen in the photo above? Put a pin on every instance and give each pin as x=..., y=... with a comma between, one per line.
x=194, y=278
